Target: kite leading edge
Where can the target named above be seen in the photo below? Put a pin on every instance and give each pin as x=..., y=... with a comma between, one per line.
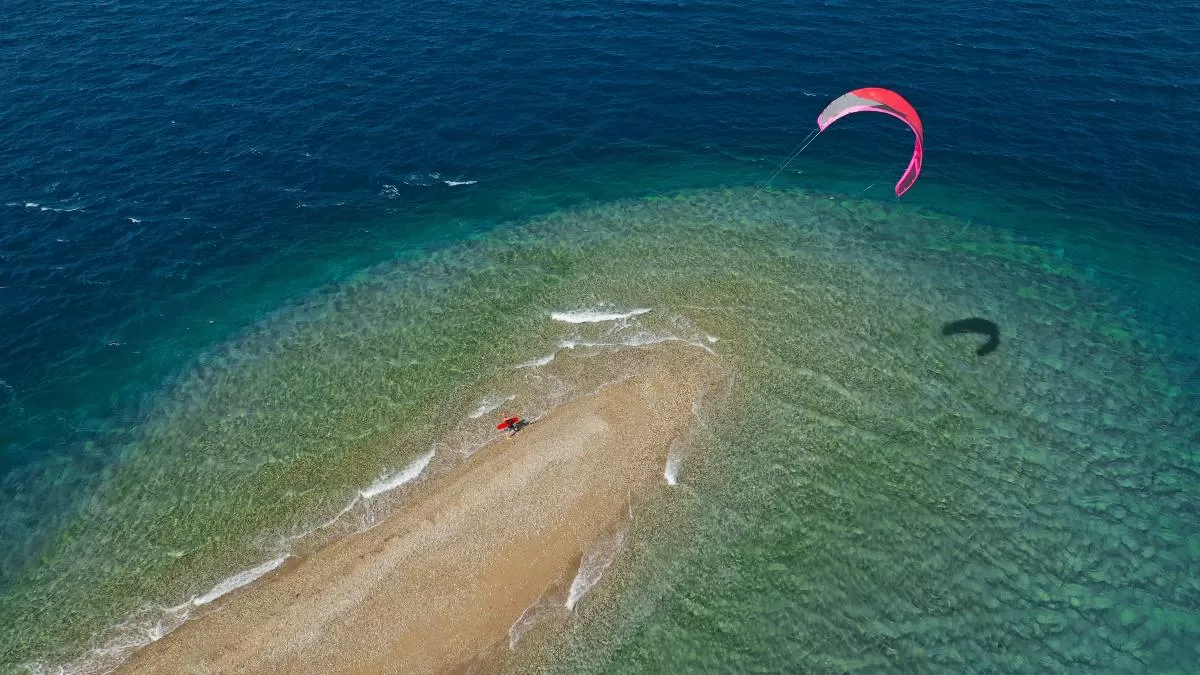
x=877, y=99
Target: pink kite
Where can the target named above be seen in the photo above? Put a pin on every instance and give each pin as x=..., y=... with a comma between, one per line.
x=886, y=101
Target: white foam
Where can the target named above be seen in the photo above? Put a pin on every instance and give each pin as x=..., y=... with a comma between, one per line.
x=151, y=625
x=520, y=626
x=420, y=179
x=12, y=393
x=591, y=569
x=134, y=220
x=345, y=509
x=387, y=483
x=542, y=609
x=384, y=483
x=674, y=461
x=491, y=403
x=390, y=191
x=237, y=581
x=637, y=340
x=540, y=361
x=456, y=183
x=594, y=315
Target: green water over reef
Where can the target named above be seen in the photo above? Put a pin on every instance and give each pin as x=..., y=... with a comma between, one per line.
x=880, y=498
x=873, y=495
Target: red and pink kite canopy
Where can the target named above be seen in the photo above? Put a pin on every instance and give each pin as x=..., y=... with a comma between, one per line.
x=876, y=99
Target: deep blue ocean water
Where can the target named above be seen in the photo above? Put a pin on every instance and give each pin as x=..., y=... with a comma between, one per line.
x=172, y=172
x=161, y=162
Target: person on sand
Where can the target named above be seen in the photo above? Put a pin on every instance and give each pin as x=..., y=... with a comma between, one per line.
x=511, y=423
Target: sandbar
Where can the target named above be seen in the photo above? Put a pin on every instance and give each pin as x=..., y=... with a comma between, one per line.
x=438, y=585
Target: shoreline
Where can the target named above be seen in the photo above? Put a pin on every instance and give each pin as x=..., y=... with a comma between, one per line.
x=447, y=578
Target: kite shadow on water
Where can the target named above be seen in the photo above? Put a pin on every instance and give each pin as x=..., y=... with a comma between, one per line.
x=976, y=325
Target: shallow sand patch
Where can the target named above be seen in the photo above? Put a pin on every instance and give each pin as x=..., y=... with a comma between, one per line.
x=438, y=585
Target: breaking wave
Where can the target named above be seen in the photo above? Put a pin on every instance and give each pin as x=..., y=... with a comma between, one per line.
x=493, y=402
x=594, y=315
x=591, y=569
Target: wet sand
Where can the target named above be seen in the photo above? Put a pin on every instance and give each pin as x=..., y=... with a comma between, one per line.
x=438, y=585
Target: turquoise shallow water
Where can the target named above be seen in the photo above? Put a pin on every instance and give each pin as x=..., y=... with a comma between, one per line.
x=883, y=499
x=874, y=494
x=232, y=262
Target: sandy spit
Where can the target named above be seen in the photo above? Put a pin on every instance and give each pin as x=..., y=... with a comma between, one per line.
x=438, y=585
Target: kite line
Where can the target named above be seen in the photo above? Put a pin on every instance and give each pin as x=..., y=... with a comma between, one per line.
x=812, y=136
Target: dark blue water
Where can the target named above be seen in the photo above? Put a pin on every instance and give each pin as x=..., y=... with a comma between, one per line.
x=170, y=172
